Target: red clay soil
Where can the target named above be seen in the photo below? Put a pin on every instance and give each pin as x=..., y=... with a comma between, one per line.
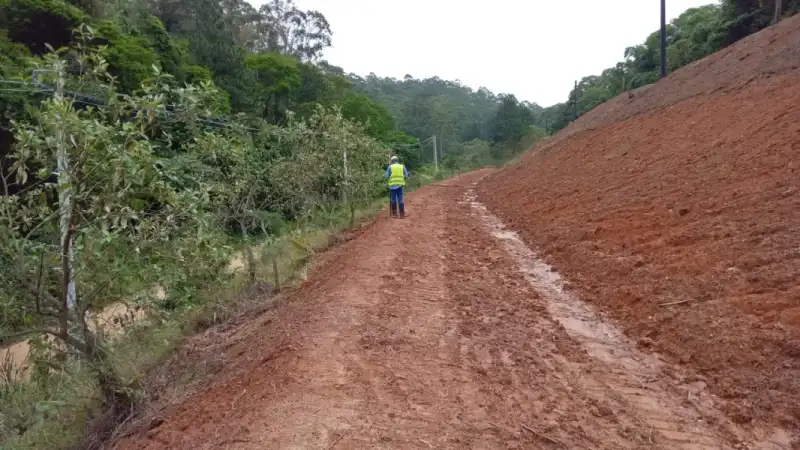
x=427, y=333
x=683, y=223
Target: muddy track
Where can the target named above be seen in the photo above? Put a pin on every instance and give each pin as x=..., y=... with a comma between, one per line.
x=442, y=331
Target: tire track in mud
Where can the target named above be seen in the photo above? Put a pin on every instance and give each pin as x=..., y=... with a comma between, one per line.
x=682, y=414
x=424, y=333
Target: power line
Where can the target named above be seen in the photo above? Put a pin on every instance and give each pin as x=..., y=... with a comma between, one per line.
x=16, y=82
x=88, y=99
x=32, y=91
x=80, y=97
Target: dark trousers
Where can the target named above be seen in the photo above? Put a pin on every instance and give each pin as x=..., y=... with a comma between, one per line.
x=396, y=201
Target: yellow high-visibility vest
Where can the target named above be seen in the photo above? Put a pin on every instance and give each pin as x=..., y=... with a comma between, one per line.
x=397, y=177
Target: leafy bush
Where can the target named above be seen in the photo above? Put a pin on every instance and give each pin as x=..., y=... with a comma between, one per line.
x=35, y=23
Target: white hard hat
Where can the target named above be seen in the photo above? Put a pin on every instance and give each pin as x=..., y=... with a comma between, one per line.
x=394, y=159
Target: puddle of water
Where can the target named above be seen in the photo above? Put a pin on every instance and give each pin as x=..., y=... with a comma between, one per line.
x=580, y=319
x=656, y=405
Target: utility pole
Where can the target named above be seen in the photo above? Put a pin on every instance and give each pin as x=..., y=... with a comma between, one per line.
x=435, y=155
x=441, y=142
x=663, y=38
x=624, y=75
x=575, y=102
x=778, y=11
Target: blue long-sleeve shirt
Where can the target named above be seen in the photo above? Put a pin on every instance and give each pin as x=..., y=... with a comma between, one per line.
x=389, y=173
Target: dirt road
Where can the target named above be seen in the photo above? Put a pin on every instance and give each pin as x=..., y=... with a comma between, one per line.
x=442, y=331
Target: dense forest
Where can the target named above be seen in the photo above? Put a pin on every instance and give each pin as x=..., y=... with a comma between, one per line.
x=146, y=143
x=472, y=128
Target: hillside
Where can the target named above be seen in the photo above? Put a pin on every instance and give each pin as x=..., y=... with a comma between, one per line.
x=676, y=211
x=774, y=51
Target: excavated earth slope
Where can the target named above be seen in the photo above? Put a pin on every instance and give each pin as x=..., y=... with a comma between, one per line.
x=677, y=212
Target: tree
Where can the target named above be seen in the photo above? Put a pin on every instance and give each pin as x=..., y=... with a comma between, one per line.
x=12, y=103
x=37, y=23
x=278, y=79
x=286, y=29
x=212, y=44
x=100, y=201
x=407, y=148
x=510, y=121
x=359, y=108
x=243, y=21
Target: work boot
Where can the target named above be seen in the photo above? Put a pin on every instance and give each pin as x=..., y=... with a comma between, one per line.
x=402, y=210
x=394, y=209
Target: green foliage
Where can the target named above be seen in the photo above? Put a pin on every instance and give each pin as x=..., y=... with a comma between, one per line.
x=13, y=57
x=278, y=79
x=477, y=153
x=197, y=74
x=130, y=58
x=454, y=113
x=35, y=23
x=407, y=148
x=122, y=192
x=173, y=54
x=212, y=45
x=33, y=414
x=470, y=155
x=309, y=169
x=511, y=120
x=10, y=52
x=426, y=107
x=291, y=31
x=359, y=108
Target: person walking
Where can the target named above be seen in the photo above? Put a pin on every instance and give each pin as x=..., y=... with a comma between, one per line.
x=396, y=174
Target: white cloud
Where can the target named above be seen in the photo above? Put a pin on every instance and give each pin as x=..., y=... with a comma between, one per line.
x=534, y=49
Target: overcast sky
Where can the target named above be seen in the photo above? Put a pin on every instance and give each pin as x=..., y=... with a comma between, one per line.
x=534, y=49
